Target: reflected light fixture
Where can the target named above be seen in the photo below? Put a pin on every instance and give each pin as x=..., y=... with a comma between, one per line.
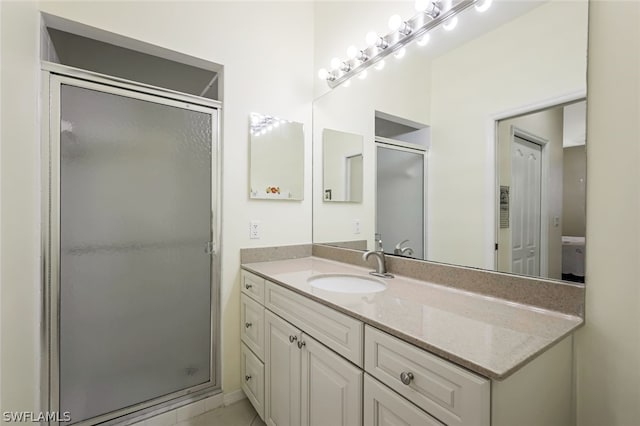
x=483, y=5
x=430, y=14
x=450, y=24
x=261, y=124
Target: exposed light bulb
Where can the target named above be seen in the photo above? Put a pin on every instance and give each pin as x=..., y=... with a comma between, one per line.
x=483, y=6
x=263, y=132
x=362, y=75
x=352, y=52
x=400, y=53
x=276, y=124
x=421, y=5
x=372, y=38
x=335, y=63
x=380, y=65
x=450, y=24
x=323, y=74
x=424, y=40
x=346, y=83
x=270, y=127
x=395, y=22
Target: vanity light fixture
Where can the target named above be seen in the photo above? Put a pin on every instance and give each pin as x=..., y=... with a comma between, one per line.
x=431, y=13
x=450, y=24
x=483, y=5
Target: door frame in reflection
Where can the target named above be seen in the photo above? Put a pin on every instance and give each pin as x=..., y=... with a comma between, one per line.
x=53, y=76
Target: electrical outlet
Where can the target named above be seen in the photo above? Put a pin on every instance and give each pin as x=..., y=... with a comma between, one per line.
x=254, y=230
x=356, y=226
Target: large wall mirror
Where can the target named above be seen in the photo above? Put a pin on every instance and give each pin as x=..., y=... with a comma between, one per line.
x=277, y=158
x=473, y=145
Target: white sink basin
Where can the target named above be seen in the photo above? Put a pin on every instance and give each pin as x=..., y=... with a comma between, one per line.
x=343, y=283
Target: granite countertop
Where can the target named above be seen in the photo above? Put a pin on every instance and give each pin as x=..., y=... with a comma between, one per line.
x=489, y=336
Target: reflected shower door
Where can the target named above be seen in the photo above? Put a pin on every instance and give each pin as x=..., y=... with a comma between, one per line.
x=400, y=200
x=135, y=272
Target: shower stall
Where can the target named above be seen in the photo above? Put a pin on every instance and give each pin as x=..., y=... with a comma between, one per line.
x=130, y=241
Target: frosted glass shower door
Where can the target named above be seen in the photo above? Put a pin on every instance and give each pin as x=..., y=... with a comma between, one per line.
x=135, y=266
x=400, y=199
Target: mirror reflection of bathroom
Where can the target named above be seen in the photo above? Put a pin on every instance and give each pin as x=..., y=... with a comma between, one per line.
x=451, y=212
x=342, y=163
x=541, y=178
x=277, y=158
x=401, y=171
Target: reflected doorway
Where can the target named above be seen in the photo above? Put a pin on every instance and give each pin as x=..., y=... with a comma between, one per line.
x=541, y=183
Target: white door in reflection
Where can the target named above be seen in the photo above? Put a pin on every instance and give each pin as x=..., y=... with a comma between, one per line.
x=526, y=172
x=135, y=227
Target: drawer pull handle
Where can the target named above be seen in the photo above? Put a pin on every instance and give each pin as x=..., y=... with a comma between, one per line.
x=293, y=339
x=248, y=286
x=406, y=378
x=247, y=324
x=247, y=378
x=301, y=344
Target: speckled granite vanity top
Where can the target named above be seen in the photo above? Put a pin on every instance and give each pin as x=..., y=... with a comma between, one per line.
x=487, y=335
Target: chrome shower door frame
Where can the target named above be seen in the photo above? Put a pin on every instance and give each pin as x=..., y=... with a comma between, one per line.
x=53, y=77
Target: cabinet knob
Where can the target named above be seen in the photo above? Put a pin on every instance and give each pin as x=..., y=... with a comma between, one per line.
x=301, y=344
x=248, y=286
x=247, y=324
x=247, y=378
x=293, y=339
x=406, y=378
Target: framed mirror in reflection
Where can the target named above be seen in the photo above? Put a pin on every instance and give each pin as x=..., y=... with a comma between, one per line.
x=342, y=166
x=502, y=169
x=276, y=158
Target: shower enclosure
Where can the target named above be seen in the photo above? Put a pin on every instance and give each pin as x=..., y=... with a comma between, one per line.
x=130, y=242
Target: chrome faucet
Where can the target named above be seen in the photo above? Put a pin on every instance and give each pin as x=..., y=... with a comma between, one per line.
x=403, y=251
x=381, y=269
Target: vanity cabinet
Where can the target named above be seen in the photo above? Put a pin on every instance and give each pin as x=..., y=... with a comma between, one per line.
x=308, y=364
x=299, y=358
x=307, y=383
x=446, y=391
x=384, y=407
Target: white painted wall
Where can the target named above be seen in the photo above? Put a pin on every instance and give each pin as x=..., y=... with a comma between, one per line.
x=608, y=346
x=257, y=78
x=554, y=33
x=20, y=200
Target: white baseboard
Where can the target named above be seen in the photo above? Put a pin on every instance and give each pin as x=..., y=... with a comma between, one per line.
x=235, y=396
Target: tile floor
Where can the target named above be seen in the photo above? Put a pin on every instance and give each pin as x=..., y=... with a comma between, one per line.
x=240, y=413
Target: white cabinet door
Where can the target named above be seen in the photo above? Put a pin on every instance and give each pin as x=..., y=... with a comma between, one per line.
x=331, y=387
x=252, y=370
x=282, y=371
x=384, y=407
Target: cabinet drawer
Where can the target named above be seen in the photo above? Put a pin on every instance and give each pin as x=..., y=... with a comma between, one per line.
x=446, y=391
x=252, y=325
x=252, y=285
x=384, y=407
x=252, y=379
x=339, y=332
